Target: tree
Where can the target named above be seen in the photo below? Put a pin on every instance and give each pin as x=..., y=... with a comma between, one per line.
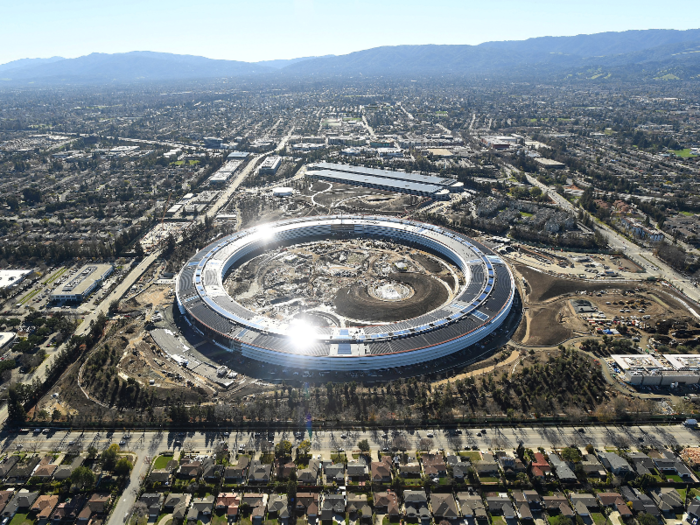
x=425, y=443
x=113, y=307
x=283, y=449
x=92, y=452
x=571, y=454
x=109, y=457
x=647, y=519
x=291, y=488
x=123, y=467
x=15, y=404
x=363, y=445
x=304, y=447
x=83, y=478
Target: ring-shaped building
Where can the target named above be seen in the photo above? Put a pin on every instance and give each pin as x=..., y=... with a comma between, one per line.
x=482, y=303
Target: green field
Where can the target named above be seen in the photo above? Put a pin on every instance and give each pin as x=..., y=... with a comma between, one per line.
x=683, y=153
x=162, y=461
x=56, y=275
x=525, y=214
x=21, y=518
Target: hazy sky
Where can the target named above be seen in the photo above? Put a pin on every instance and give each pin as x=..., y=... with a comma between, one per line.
x=255, y=30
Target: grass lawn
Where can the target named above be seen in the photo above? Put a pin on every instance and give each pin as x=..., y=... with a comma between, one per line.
x=267, y=459
x=162, y=461
x=270, y=522
x=554, y=520
x=486, y=479
x=302, y=521
x=219, y=519
x=445, y=481
x=246, y=521
x=498, y=520
x=687, y=213
x=675, y=478
x=682, y=493
x=339, y=458
x=684, y=153
x=472, y=455
x=20, y=519
x=526, y=214
x=598, y=518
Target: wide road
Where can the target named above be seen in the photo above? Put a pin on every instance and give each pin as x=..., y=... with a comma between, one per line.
x=326, y=441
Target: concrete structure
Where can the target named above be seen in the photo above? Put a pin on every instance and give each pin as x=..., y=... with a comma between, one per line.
x=9, y=278
x=482, y=303
x=549, y=163
x=647, y=370
x=283, y=191
x=89, y=277
x=270, y=165
x=6, y=338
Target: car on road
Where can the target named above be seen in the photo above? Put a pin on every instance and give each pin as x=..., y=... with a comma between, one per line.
x=430, y=435
x=122, y=443
x=343, y=436
x=226, y=434
x=176, y=443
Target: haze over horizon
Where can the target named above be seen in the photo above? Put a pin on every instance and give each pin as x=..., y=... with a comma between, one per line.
x=287, y=29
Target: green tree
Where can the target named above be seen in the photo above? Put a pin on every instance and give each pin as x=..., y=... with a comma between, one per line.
x=92, y=452
x=123, y=467
x=109, y=457
x=646, y=519
x=304, y=447
x=363, y=445
x=571, y=454
x=83, y=478
x=283, y=449
x=15, y=404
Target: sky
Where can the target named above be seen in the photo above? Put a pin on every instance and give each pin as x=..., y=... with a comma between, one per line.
x=254, y=30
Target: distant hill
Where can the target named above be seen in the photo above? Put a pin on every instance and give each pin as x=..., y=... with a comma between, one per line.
x=279, y=64
x=129, y=67
x=629, y=55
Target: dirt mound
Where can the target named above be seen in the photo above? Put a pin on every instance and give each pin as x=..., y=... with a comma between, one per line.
x=545, y=286
x=546, y=328
x=428, y=263
x=354, y=301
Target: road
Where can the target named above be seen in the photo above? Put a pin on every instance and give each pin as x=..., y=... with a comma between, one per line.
x=325, y=442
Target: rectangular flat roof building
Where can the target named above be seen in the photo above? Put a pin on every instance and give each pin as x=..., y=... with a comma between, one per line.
x=271, y=164
x=10, y=278
x=433, y=191
x=89, y=277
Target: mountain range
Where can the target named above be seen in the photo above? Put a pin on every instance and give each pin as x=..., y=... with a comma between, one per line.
x=628, y=55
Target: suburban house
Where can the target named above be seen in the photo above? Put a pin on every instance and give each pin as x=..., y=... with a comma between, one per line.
x=307, y=504
x=22, y=502
x=381, y=470
x=358, y=507
x=229, y=502
x=472, y=506
x=434, y=465
x=239, y=472
x=540, y=467
x=153, y=501
x=639, y=501
x=259, y=473
x=335, y=473
x=614, y=501
x=614, y=463
x=357, y=471
x=333, y=505
x=501, y=506
x=444, y=507
x=309, y=475
x=176, y=504
x=96, y=506
x=44, y=505
x=387, y=503
x=190, y=470
x=278, y=508
x=416, y=505
x=667, y=499
x=257, y=504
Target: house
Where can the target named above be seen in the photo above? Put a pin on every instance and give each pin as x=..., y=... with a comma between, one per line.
x=472, y=506
x=357, y=471
x=176, y=504
x=416, y=505
x=307, y=504
x=259, y=473
x=190, y=470
x=670, y=464
x=461, y=470
x=64, y=471
x=584, y=504
x=278, y=507
x=21, y=472
x=204, y=506
x=562, y=469
x=5, y=496
x=309, y=475
x=7, y=464
x=410, y=470
x=540, y=467
x=592, y=467
x=501, y=505
x=487, y=467
x=239, y=472
x=333, y=505
x=694, y=511
x=434, y=465
x=257, y=504
x=69, y=509
x=557, y=503
x=335, y=473
x=639, y=501
x=531, y=498
x=667, y=499
x=641, y=463
x=97, y=505
x=153, y=501
x=160, y=475
x=22, y=501
x=229, y=502
x=284, y=468
x=45, y=472
x=615, y=464
x=444, y=507
x=211, y=472
x=358, y=505
x=614, y=501
x=387, y=503
x=44, y=505
x=381, y=470
x=510, y=465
